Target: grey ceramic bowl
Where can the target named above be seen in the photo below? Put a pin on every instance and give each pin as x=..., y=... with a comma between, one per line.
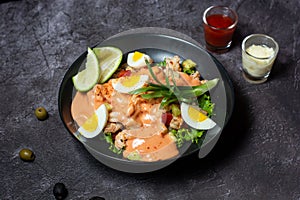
x=157, y=46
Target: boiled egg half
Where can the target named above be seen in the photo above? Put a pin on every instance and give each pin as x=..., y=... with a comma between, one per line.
x=95, y=124
x=195, y=118
x=127, y=84
x=137, y=59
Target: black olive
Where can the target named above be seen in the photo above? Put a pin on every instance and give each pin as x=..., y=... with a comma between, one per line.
x=26, y=155
x=41, y=113
x=97, y=198
x=60, y=191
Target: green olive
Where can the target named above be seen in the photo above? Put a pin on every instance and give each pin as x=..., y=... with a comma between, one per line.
x=26, y=155
x=41, y=113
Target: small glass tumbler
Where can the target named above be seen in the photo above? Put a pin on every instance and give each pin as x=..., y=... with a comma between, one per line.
x=219, y=23
x=259, y=52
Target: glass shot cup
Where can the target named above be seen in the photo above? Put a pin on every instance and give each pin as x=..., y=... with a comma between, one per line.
x=259, y=52
x=219, y=23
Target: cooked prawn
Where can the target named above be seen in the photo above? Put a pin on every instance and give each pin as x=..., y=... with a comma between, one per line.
x=103, y=93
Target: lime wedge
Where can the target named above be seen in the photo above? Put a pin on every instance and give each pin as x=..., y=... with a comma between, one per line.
x=109, y=61
x=89, y=77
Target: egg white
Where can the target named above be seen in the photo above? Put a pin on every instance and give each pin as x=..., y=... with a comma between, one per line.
x=102, y=115
x=118, y=86
x=203, y=125
x=139, y=63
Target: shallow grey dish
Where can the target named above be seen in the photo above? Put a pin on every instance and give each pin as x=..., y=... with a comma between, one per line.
x=158, y=44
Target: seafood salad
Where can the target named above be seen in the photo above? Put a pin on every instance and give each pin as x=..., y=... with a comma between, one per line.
x=147, y=109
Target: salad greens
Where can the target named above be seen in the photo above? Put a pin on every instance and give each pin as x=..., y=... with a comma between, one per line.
x=189, y=66
x=196, y=136
x=108, y=138
x=206, y=104
x=187, y=94
x=184, y=135
x=172, y=95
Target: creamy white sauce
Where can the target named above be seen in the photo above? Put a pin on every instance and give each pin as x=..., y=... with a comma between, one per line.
x=258, y=60
x=260, y=51
x=137, y=142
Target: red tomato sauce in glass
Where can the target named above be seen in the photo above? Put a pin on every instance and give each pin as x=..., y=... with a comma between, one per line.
x=219, y=21
x=216, y=32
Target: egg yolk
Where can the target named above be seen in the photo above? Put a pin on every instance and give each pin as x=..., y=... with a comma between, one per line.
x=91, y=124
x=137, y=56
x=196, y=115
x=130, y=81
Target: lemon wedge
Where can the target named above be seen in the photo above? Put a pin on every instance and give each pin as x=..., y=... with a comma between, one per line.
x=109, y=60
x=89, y=77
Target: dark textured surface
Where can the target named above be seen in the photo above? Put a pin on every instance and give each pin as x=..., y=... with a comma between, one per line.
x=257, y=156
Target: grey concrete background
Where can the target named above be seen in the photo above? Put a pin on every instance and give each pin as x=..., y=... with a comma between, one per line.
x=257, y=156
